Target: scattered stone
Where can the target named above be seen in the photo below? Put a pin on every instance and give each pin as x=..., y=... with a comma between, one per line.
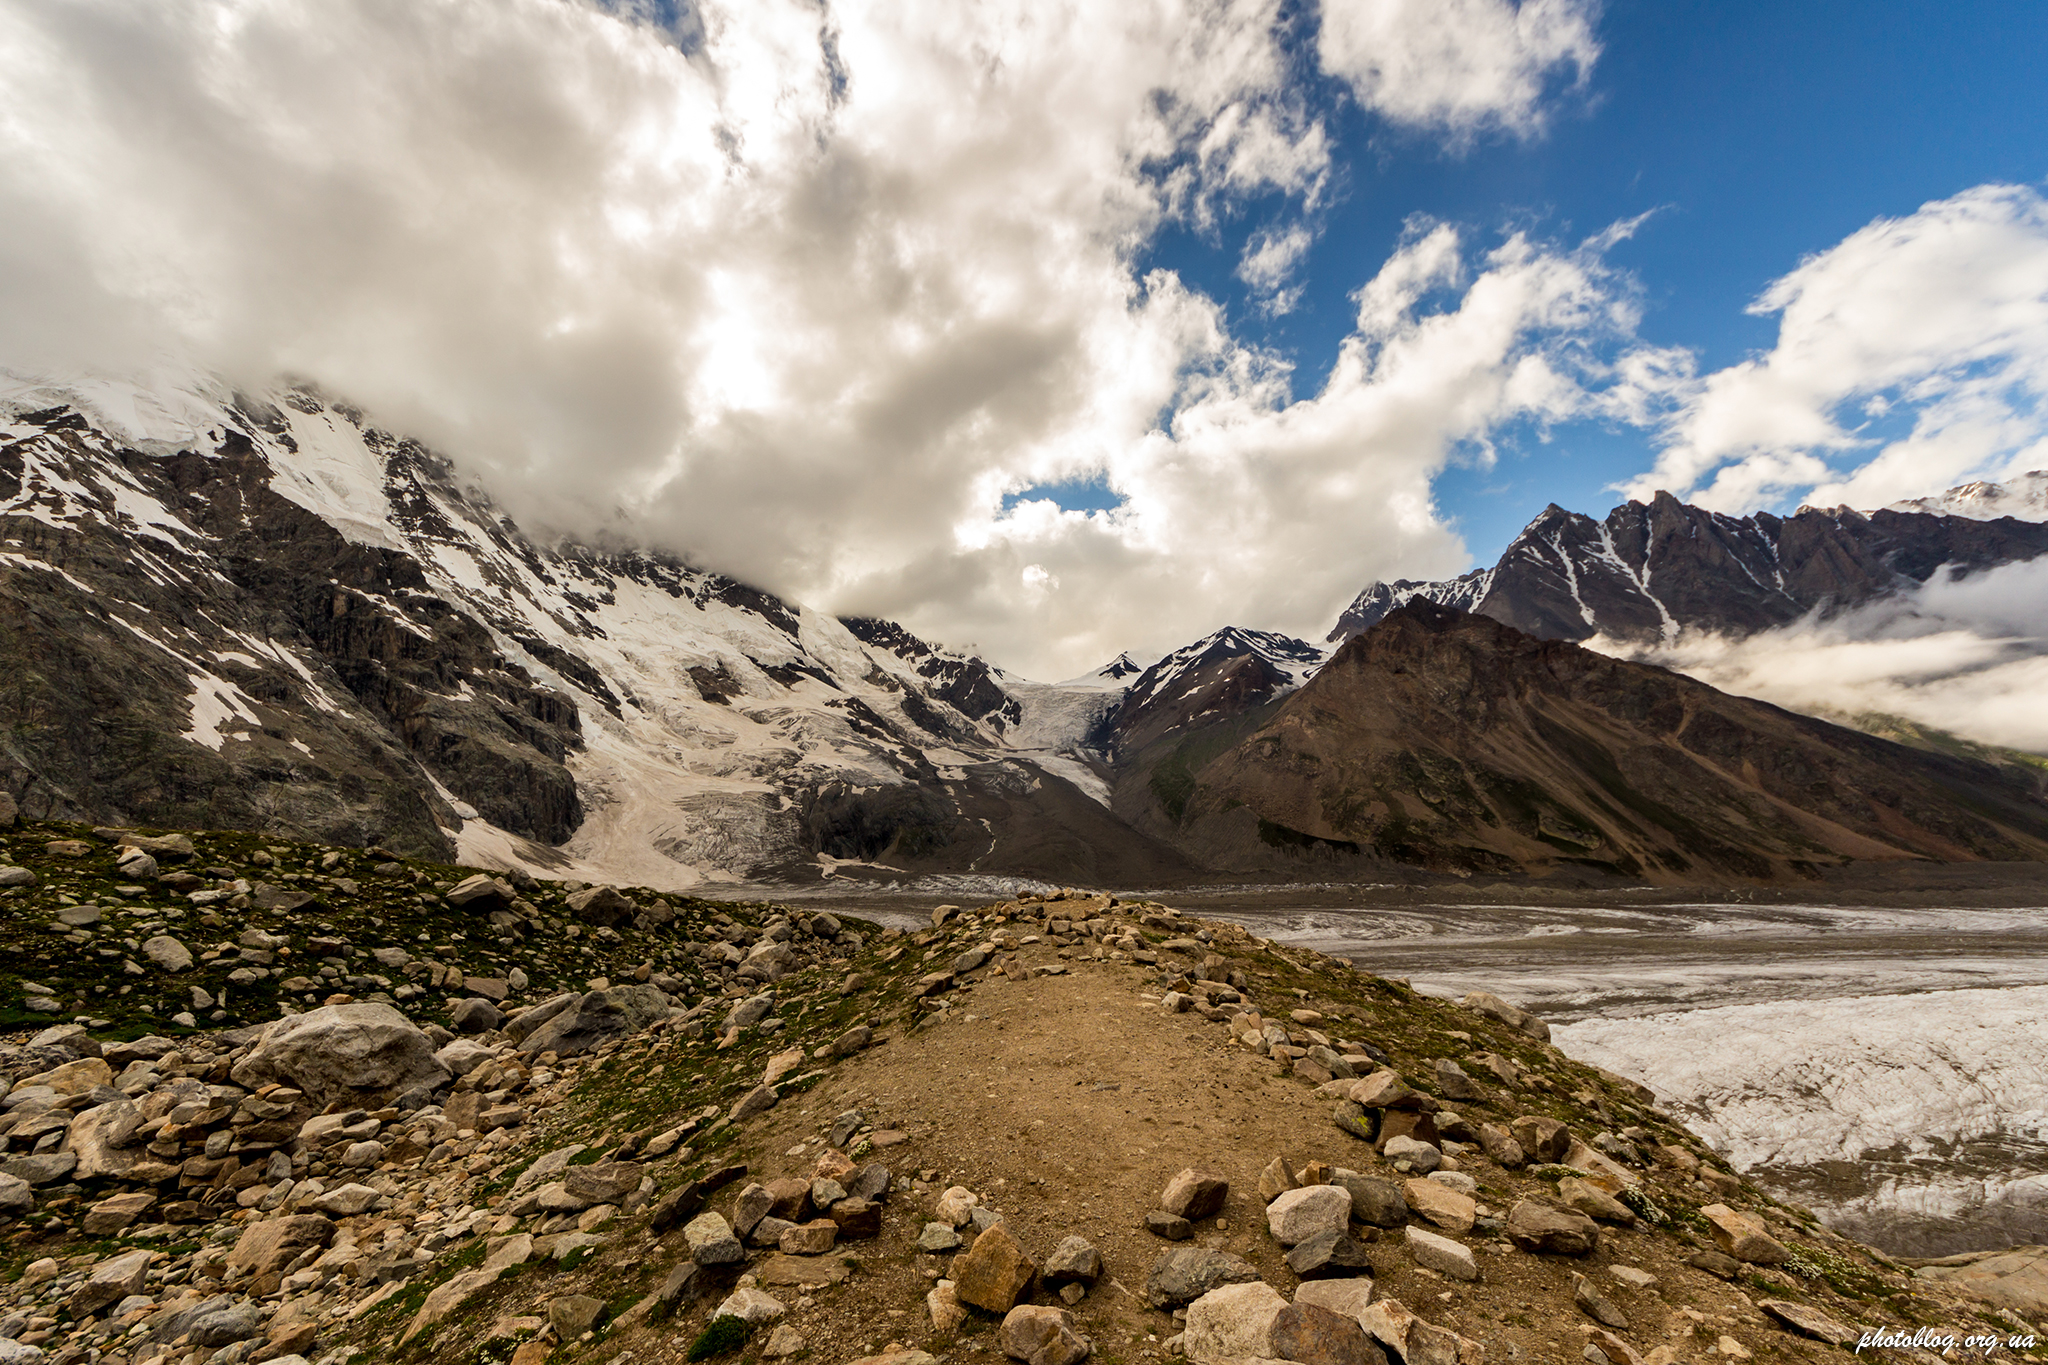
x=1414, y=1341
x=1597, y=1305
x=1312, y=1334
x=571, y=1315
x=1169, y=1227
x=1440, y=1204
x=711, y=1241
x=1329, y=1255
x=1594, y=1202
x=1195, y=1195
x=1441, y=1254
x=1232, y=1322
x=944, y=1307
x=1405, y=1153
x=938, y=1237
x=1297, y=1215
x=1183, y=1274
x=1453, y=1084
x=1809, y=1321
x=1493, y=1007
x=167, y=953
x=1543, y=1139
x=1374, y=1201
x=1743, y=1236
x=111, y=1281
x=751, y=1306
x=994, y=1273
x=783, y=1342
x=1074, y=1260
x=1538, y=1227
x=1042, y=1336
x=595, y=1018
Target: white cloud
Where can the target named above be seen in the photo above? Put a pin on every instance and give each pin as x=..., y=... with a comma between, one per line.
x=1934, y=325
x=1467, y=65
x=807, y=295
x=1965, y=655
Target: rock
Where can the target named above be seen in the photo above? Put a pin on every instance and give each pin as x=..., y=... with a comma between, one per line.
x=603, y=1182
x=711, y=1241
x=1312, y=1334
x=357, y=1055
x=268, y=1246
x=1042, y=1336
x=955, y=1206
x=1441, y=1205
x=111, y=1281
x=219, y=1322
x=1184, y=1274
x=1329, y=1255
x=759, y=1100
x=1493, y=1007
x=1232, y=1322
x=1441, y=1254
x=1715, y=1263
x=603, y=906
x=751, y=1306
x=17, y=1196
x=1596, y=1305
x=1357, y=1120
x=856, y=1219
x=102, y=1139
x=1373, y=1201
x=1810, y=1321
x=464, y=1056
x=814, y=1238
x=1543, y=1139
x=944, y=1307
x=1169, y=1227
x=2016, y=1280
x=1594, y=1202
x=346, y=1201
x=1453, y=1084
x=598, y=1017
x=12, y=876
x=1297, y=1215
x=1414, y=1341
x=39, y=1168
x=1384, y=1089
x=167, y=953
x=475, y=1015
x=1195, y=1194
x=481, y=892
x=1406, y=1153
x=1347, y=1296
x=1074, y=1260
x=81, y=1077
x=1538, y=1227
x=1743, y=1236
x=134, y=864
x=1500, y=1146
x=1276, y=1179
x=783, y=1342
x=571, y=1315
x=529, y=1021
x=1605, y=1348
x=754, y=1203
x=994, y=1273
x=853, y=1040
x=938, y=1237
x=901, y=1355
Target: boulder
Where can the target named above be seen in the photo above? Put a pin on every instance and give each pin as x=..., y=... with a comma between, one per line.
x=571, y=1315
x=1596, y=1305
x=111, y=1281
x=1384, y=1089
x=1807, y=1320
x=17, y=1196
x=1743, y=1236
x=1074, y=1260
x=167, y=953
x=103, y=1140
x=1446, y=1257
x=603, y=906
x=81, y=1077
x=1195, y=1194
x=1594, y=1202
x=475, y=1015
x=1406, y=1153
x=1042, y=1336
x=219, y=1321
x=751, y=1306
x=1347, y=1296
x=520, y=1027
x=360, y=1055
x=1232, y=1322
x=1543, y=1139
x=1374, y=1201
x=711, y=1241
x=595, y=1018
x=1493, y=1007
x=1169, y=1227
x=1329, y=1255
x=1449, y=1209
x=1452, y=1082
x=603, y=1182
x=1537, y=1227
x=1414, y=1341
x=268, y=1246
x=1297, y=1215
x=1184, y=1274
x=481, y=892
x=994, y=1273
x=2016, y=1279
x=1500, y=1146
x=1312, y=1334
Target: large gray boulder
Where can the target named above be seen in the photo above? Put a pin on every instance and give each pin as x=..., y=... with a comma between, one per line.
x=364, y=1055
x=596, y=1017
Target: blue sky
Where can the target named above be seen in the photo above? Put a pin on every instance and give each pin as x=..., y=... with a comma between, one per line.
x=1754, y=134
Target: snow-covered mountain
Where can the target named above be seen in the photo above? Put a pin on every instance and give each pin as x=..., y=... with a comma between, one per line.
x=1649, y=570
x=259, y=610
x=2024, y=498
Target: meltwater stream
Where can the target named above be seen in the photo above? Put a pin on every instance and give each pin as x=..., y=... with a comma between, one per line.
x=1886, y=1067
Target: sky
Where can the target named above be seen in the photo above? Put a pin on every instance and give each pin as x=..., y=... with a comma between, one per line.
x=1059, y=329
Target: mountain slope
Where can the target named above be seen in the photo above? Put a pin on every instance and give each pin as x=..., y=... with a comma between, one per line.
x=1455, y=742
x=262, y=611
x=1651, y=569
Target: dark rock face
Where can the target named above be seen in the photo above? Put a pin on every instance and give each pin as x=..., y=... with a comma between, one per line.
x=965, y=683
x=1452, y=741
x=1651, y=569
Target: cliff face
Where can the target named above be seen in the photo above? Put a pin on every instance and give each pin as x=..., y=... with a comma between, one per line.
x=1455, y=742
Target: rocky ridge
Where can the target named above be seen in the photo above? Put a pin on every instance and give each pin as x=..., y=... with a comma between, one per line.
x=1043, y=1129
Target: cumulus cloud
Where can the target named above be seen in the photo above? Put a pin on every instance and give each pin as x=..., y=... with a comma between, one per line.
x=1910, y=356
x=1470, y=66
x=1966, y=655
x=807, y=291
